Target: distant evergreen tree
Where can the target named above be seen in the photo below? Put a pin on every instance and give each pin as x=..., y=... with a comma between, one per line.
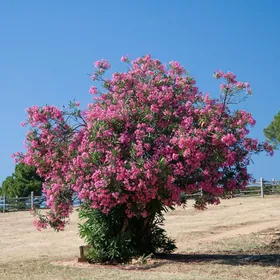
x=272, y=132
x=22, y=182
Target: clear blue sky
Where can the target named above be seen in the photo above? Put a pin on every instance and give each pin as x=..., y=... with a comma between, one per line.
x=48, y=47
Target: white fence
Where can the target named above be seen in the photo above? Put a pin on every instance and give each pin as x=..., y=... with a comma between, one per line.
x=259, y=188
x=262, y=188
x=8, y=204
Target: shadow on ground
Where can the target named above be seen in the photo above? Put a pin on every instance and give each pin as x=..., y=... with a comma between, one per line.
x=272, y=259
x=257, y=259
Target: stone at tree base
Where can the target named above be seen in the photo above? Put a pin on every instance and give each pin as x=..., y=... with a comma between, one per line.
x=83, y=252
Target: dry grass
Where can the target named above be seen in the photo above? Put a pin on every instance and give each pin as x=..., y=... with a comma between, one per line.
x=192, y=269
x=234, y=240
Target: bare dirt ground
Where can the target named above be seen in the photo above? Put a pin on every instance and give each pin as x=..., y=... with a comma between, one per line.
x=228, y=241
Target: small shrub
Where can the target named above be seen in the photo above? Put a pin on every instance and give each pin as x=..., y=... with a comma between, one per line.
x=113, y=237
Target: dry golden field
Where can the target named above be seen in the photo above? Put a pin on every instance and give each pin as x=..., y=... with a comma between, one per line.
x=236, y=240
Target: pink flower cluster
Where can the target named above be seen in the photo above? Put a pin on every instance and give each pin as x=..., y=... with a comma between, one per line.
x=102, y=64
x=231, y=83
x=176, y=68
x=93, y=90
x=228, y=139
x=149, y=137
x=124, y=58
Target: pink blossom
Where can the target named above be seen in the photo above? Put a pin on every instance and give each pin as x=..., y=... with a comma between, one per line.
x=124, y=59
x=93, y=90
x=240, y=85
x=228, y=139
x=102, y=64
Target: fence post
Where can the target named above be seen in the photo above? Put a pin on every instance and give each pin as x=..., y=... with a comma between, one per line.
x=273, y=184
x=262, y=187
x=4, y=203
x=32, y=200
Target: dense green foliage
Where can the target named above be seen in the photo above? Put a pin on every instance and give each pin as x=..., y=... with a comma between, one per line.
x=272, y=132
x=114, y=237
x=23, y=181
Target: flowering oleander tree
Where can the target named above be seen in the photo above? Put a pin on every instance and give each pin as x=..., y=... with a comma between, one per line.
x=148, y=136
